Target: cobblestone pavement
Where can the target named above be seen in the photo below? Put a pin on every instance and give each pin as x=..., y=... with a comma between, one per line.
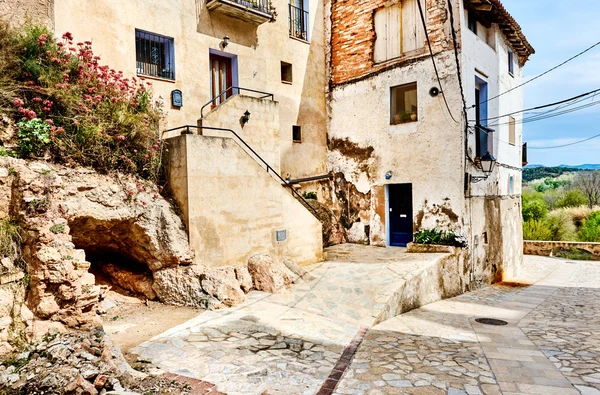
x=288, y=343
x=295, y=343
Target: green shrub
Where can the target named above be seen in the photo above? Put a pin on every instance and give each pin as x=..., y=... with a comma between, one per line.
x=534, y=209
x=57, y=228
x=574, y=254
x=561, y=225
x=95, y=116
x=310, y=195
x=536, y=230
x=590, y=230
x=33, y=137
x=434, y=236
x=572, y=198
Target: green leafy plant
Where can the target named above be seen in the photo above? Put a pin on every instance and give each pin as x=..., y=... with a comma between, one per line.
x=33, y=137
x=572, y=198
x=590, y=230
x=74, y=109
x=561, y=225
x=574, y=254
x=58, y=228
x=536, y=230
x=440, y=237
x=534, y=209
x=310, y=195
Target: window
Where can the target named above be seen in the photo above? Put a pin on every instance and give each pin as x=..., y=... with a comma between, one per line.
x=511, y=62
x=298, y=19
x=297, y=134
x=472, y=22
x=286, y=73
x=398, y=30
x=511, y=185
x=512, y=133
x=154, y=55
x=403, y=107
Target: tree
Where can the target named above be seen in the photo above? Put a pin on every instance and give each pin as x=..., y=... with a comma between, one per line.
x=589, y=183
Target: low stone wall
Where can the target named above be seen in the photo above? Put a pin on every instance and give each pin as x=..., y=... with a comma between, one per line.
x=544, y=248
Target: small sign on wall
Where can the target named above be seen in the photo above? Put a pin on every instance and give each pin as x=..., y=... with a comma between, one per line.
x=176, y=98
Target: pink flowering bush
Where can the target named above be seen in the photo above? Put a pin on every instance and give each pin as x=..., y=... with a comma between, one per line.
x=95, y=115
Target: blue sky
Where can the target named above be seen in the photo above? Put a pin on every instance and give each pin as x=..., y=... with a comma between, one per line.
x=559, y=29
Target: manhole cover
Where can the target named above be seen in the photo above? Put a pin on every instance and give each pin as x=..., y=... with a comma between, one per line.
x=491, y=321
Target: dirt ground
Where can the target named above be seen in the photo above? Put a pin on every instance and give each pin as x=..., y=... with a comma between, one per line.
x=130, y=321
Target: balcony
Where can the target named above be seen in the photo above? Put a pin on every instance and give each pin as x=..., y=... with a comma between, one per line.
x=255, y=12
x=484, y=141
x=298, y=23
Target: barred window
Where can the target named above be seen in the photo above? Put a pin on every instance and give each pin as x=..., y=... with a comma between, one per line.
x=154, y=55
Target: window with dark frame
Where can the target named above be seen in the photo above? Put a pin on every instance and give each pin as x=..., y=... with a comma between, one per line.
x=286, y=73
x=298, y=19
x=403, y=104
x=511, y=62
x=472, y=22
x=154, y=55
x=296, y=134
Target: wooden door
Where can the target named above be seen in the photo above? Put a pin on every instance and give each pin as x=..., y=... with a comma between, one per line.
x=220, y=79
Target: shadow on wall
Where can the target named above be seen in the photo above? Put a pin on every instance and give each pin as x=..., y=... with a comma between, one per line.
x=217, y=25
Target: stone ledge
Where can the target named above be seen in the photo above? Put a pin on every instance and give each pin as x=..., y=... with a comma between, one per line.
x=430, y=248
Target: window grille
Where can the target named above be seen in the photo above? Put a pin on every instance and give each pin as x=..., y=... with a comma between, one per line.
x=154, y=55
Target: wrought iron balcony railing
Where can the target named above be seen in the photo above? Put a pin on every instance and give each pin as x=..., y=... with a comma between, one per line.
x=254, y=11
x=298, y=23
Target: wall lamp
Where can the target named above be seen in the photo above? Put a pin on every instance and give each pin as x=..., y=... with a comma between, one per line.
x=225, y=42
x=487, y=166
x=245, y=118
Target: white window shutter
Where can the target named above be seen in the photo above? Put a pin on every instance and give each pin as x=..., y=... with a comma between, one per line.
x=380, y=50
x=394, y=46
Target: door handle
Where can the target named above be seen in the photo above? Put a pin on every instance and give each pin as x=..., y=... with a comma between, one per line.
x=403, y=215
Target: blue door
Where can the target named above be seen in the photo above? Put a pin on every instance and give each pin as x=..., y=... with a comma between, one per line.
x=400, y=214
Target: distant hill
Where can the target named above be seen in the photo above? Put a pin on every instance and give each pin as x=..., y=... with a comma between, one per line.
x=536, y=172
x=583, y=167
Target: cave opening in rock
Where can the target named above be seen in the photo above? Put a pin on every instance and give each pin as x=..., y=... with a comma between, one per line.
x=112, y=247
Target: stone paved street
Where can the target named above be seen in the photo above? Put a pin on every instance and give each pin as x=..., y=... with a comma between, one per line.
x=297, y=343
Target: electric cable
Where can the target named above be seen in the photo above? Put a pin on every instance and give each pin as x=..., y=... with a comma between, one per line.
x=566, y=145
x=540, y=75
x=433, y=61
x=540, y=107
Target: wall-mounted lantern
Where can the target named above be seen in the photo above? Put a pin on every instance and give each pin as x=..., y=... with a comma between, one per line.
x=176, y=98
x=487, y=163
x=245, y=118
x=225, y=42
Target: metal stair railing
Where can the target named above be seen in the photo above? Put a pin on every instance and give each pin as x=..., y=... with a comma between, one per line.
x=187, y=129
x=231, y=88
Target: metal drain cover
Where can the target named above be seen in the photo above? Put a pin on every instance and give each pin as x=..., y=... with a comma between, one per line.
x=491, y=321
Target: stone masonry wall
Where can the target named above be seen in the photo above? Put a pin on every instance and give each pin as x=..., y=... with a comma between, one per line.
x=545, y=248
x=353, y=37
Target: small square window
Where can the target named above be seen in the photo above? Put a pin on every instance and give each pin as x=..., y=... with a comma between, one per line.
x=154, y=55
x=403, y=107
x=511, y=62
x=297, y=134
x=286, y=73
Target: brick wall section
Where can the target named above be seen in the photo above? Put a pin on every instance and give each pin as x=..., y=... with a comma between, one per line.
x=353, y=37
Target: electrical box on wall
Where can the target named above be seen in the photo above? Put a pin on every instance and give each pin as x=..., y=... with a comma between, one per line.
x=280, y=235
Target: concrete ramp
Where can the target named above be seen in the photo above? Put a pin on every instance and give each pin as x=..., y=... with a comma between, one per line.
x=291, y=343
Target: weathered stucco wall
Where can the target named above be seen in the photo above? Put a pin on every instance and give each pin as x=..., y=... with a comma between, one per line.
x=111, y=25
x=261, y=132
x=235, y=207
x=18, y=12
x=546, y=248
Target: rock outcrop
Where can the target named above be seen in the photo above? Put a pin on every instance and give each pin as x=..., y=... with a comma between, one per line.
x=267, y=275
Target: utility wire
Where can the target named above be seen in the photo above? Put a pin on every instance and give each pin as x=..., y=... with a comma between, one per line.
x=433, y=60
x=566, y=145
x=540, y=75
x=458, y=73
x=540, y=107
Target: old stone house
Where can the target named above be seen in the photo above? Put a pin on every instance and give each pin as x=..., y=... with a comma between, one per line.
x=341, y=97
